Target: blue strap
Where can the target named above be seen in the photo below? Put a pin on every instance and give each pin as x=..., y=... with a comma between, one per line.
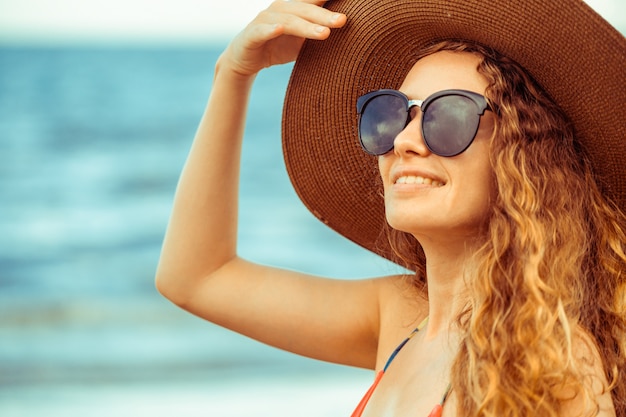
x=399, y=348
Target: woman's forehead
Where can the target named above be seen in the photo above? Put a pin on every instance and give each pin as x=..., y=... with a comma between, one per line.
x=442, y=71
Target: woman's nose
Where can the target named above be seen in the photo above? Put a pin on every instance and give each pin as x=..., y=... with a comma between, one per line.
x=411, y=141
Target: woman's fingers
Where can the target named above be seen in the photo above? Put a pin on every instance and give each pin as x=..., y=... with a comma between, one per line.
x=277, y=33
x=303, y=18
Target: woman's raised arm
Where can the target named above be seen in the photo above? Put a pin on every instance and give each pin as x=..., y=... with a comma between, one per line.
x=199, y=269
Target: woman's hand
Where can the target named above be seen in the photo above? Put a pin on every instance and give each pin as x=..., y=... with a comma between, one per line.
x=276, y=35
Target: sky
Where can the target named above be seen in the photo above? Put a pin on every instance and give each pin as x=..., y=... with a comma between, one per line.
x=145, y=21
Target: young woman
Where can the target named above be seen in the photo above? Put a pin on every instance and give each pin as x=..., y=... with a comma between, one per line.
x=497, y=177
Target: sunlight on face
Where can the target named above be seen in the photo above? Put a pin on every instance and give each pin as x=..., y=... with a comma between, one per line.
x=453, y=194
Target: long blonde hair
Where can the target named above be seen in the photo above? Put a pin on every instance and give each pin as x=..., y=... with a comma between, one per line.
x=551, y=269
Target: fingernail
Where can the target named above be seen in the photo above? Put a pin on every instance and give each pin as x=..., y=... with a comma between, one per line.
x=319, y=29
x=334, y=17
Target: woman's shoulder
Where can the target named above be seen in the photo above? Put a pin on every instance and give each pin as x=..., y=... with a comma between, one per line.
x=403, y=306
x=403, y=300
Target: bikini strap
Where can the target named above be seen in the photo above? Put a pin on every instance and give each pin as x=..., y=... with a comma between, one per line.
x=404, y=342
x=423, y=323
x=445, y=394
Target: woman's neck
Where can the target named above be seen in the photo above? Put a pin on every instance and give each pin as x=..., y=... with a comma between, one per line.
x=447, y=269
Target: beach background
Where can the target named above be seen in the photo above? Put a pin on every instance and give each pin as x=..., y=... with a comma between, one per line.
x=96, y=118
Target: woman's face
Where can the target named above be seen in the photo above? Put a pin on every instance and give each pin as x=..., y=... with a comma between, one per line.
x=429, y=195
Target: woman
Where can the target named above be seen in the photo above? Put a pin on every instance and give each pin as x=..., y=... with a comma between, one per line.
x=507, y=206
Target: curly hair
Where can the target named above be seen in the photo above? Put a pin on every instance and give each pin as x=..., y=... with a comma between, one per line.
x=550, y=274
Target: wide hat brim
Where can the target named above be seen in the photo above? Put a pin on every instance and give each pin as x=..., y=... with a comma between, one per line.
x=576, y=56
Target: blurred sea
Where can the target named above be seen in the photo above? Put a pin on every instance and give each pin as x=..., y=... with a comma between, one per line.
x=92, y=140
x=91, y=144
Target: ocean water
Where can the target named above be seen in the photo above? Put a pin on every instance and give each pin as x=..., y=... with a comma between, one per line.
x=92, y=140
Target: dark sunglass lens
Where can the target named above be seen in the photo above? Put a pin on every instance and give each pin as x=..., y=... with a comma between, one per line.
x=382, y=119
x=450, y=124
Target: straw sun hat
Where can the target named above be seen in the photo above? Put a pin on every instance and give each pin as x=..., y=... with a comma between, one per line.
x=577, y=57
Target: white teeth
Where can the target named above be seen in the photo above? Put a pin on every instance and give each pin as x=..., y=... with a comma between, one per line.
x=414, y=179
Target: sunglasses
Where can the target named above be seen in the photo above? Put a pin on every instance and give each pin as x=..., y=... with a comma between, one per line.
x=450, y=119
